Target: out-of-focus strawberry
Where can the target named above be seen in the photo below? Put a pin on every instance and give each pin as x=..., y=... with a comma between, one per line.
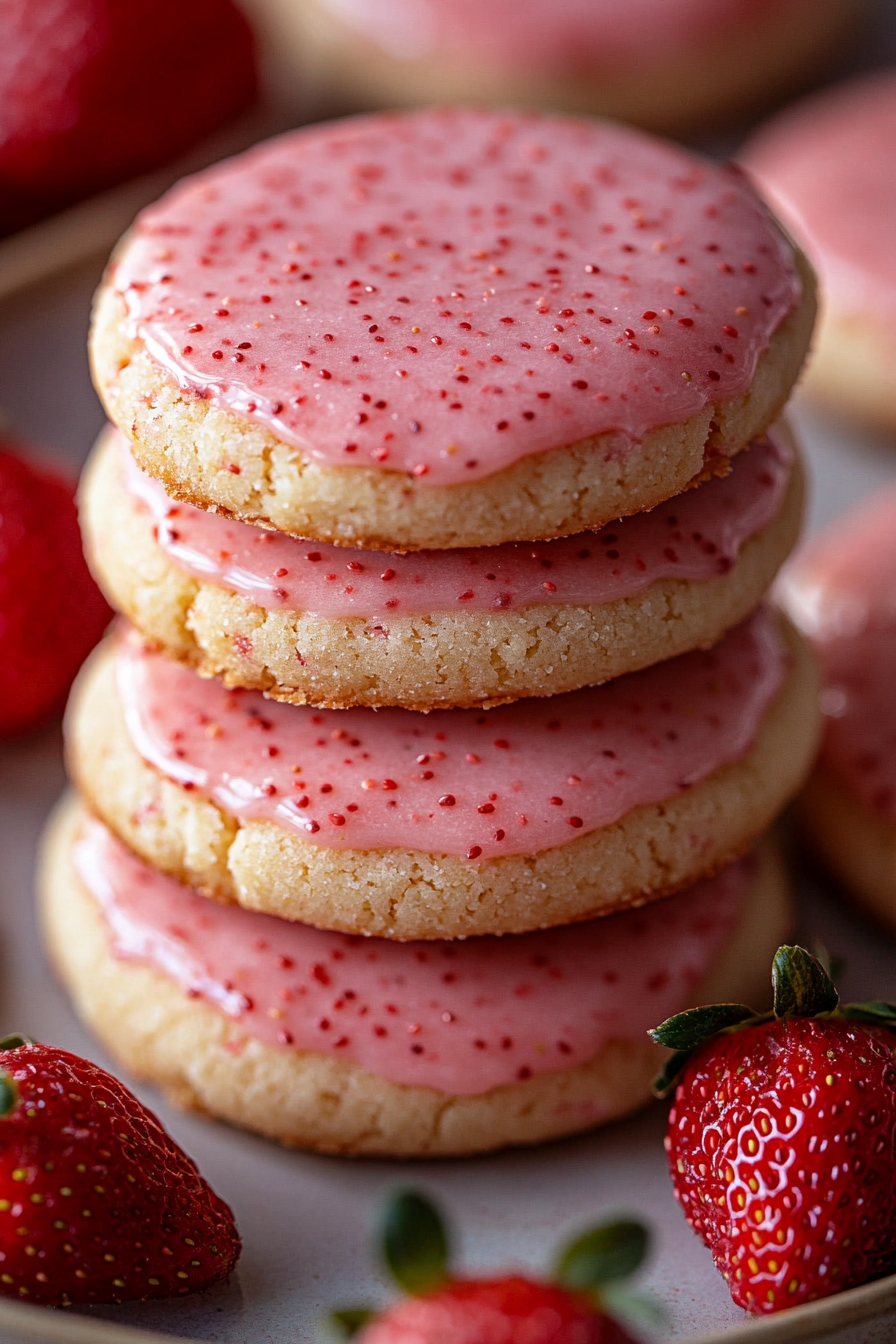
x=575, y=1307
x=97, y=1202
x=51, y=611
x=781, y=1138
x=96, y=91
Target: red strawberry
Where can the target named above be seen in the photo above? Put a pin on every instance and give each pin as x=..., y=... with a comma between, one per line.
x=51, y=611
x=781, y=1138
x=96, y=91
x=97, y=1201
x=499, y=1311
x=507, y=1310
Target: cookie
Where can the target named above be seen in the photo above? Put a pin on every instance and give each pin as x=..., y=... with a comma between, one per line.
x=443, y=628
x=840, y=590
x=459, y=822
x=665, y=64
x=354, y=1046
x=828, y=166
x=449, y=328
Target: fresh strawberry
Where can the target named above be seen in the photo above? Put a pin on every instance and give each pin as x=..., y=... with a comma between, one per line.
x=96, y=91
x=97, y=1201
x=781, y=1137
x=572, y=1309
x=51, y=611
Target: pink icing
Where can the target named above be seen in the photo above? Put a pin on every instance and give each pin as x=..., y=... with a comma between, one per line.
x=513, y=780
x=563, y=37
x=841, y=591
x=696, y=536
x=462, y=1017
x=829, y=166
x=446, y=292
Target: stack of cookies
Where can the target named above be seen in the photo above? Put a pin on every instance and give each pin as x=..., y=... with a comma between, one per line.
x=442, y=496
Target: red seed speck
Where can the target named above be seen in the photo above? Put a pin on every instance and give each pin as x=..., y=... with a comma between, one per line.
x=447, y=800
x=575, y=822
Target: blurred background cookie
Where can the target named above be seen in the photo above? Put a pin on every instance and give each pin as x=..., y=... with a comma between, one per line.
x=828, y=167
x=664, y=64
x=841, y=590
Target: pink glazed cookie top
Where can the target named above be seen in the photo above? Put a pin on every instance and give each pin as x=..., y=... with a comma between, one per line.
x=829, y=166
x=514, y=780
x=572, y=37
x=446, y=292
x=841, y=591
x=696, y=536
x=462, y=1017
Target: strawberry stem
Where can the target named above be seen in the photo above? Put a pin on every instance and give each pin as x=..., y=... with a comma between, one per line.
x=802, y=986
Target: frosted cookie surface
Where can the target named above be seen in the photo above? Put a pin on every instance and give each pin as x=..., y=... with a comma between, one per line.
x=407, y=307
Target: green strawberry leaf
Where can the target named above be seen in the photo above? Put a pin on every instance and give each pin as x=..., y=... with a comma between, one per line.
x=415, y=1245
x=884, y=1014
x=602, y=1255
x=13, y=1041
x=666, y=1080
x=636, y=1310
x=349, y=1320
x=802, y=986
x=685, y=1031
x=9, y=1094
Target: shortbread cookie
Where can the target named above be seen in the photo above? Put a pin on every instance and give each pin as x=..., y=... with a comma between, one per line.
x=449, y=328
x=359, y=1046
x=459, y=822
x=312, y=624
x=829, y=166
x=842, y=592
x=666, y=64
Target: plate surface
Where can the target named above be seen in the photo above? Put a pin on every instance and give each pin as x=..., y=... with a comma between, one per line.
x=306, y=1219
